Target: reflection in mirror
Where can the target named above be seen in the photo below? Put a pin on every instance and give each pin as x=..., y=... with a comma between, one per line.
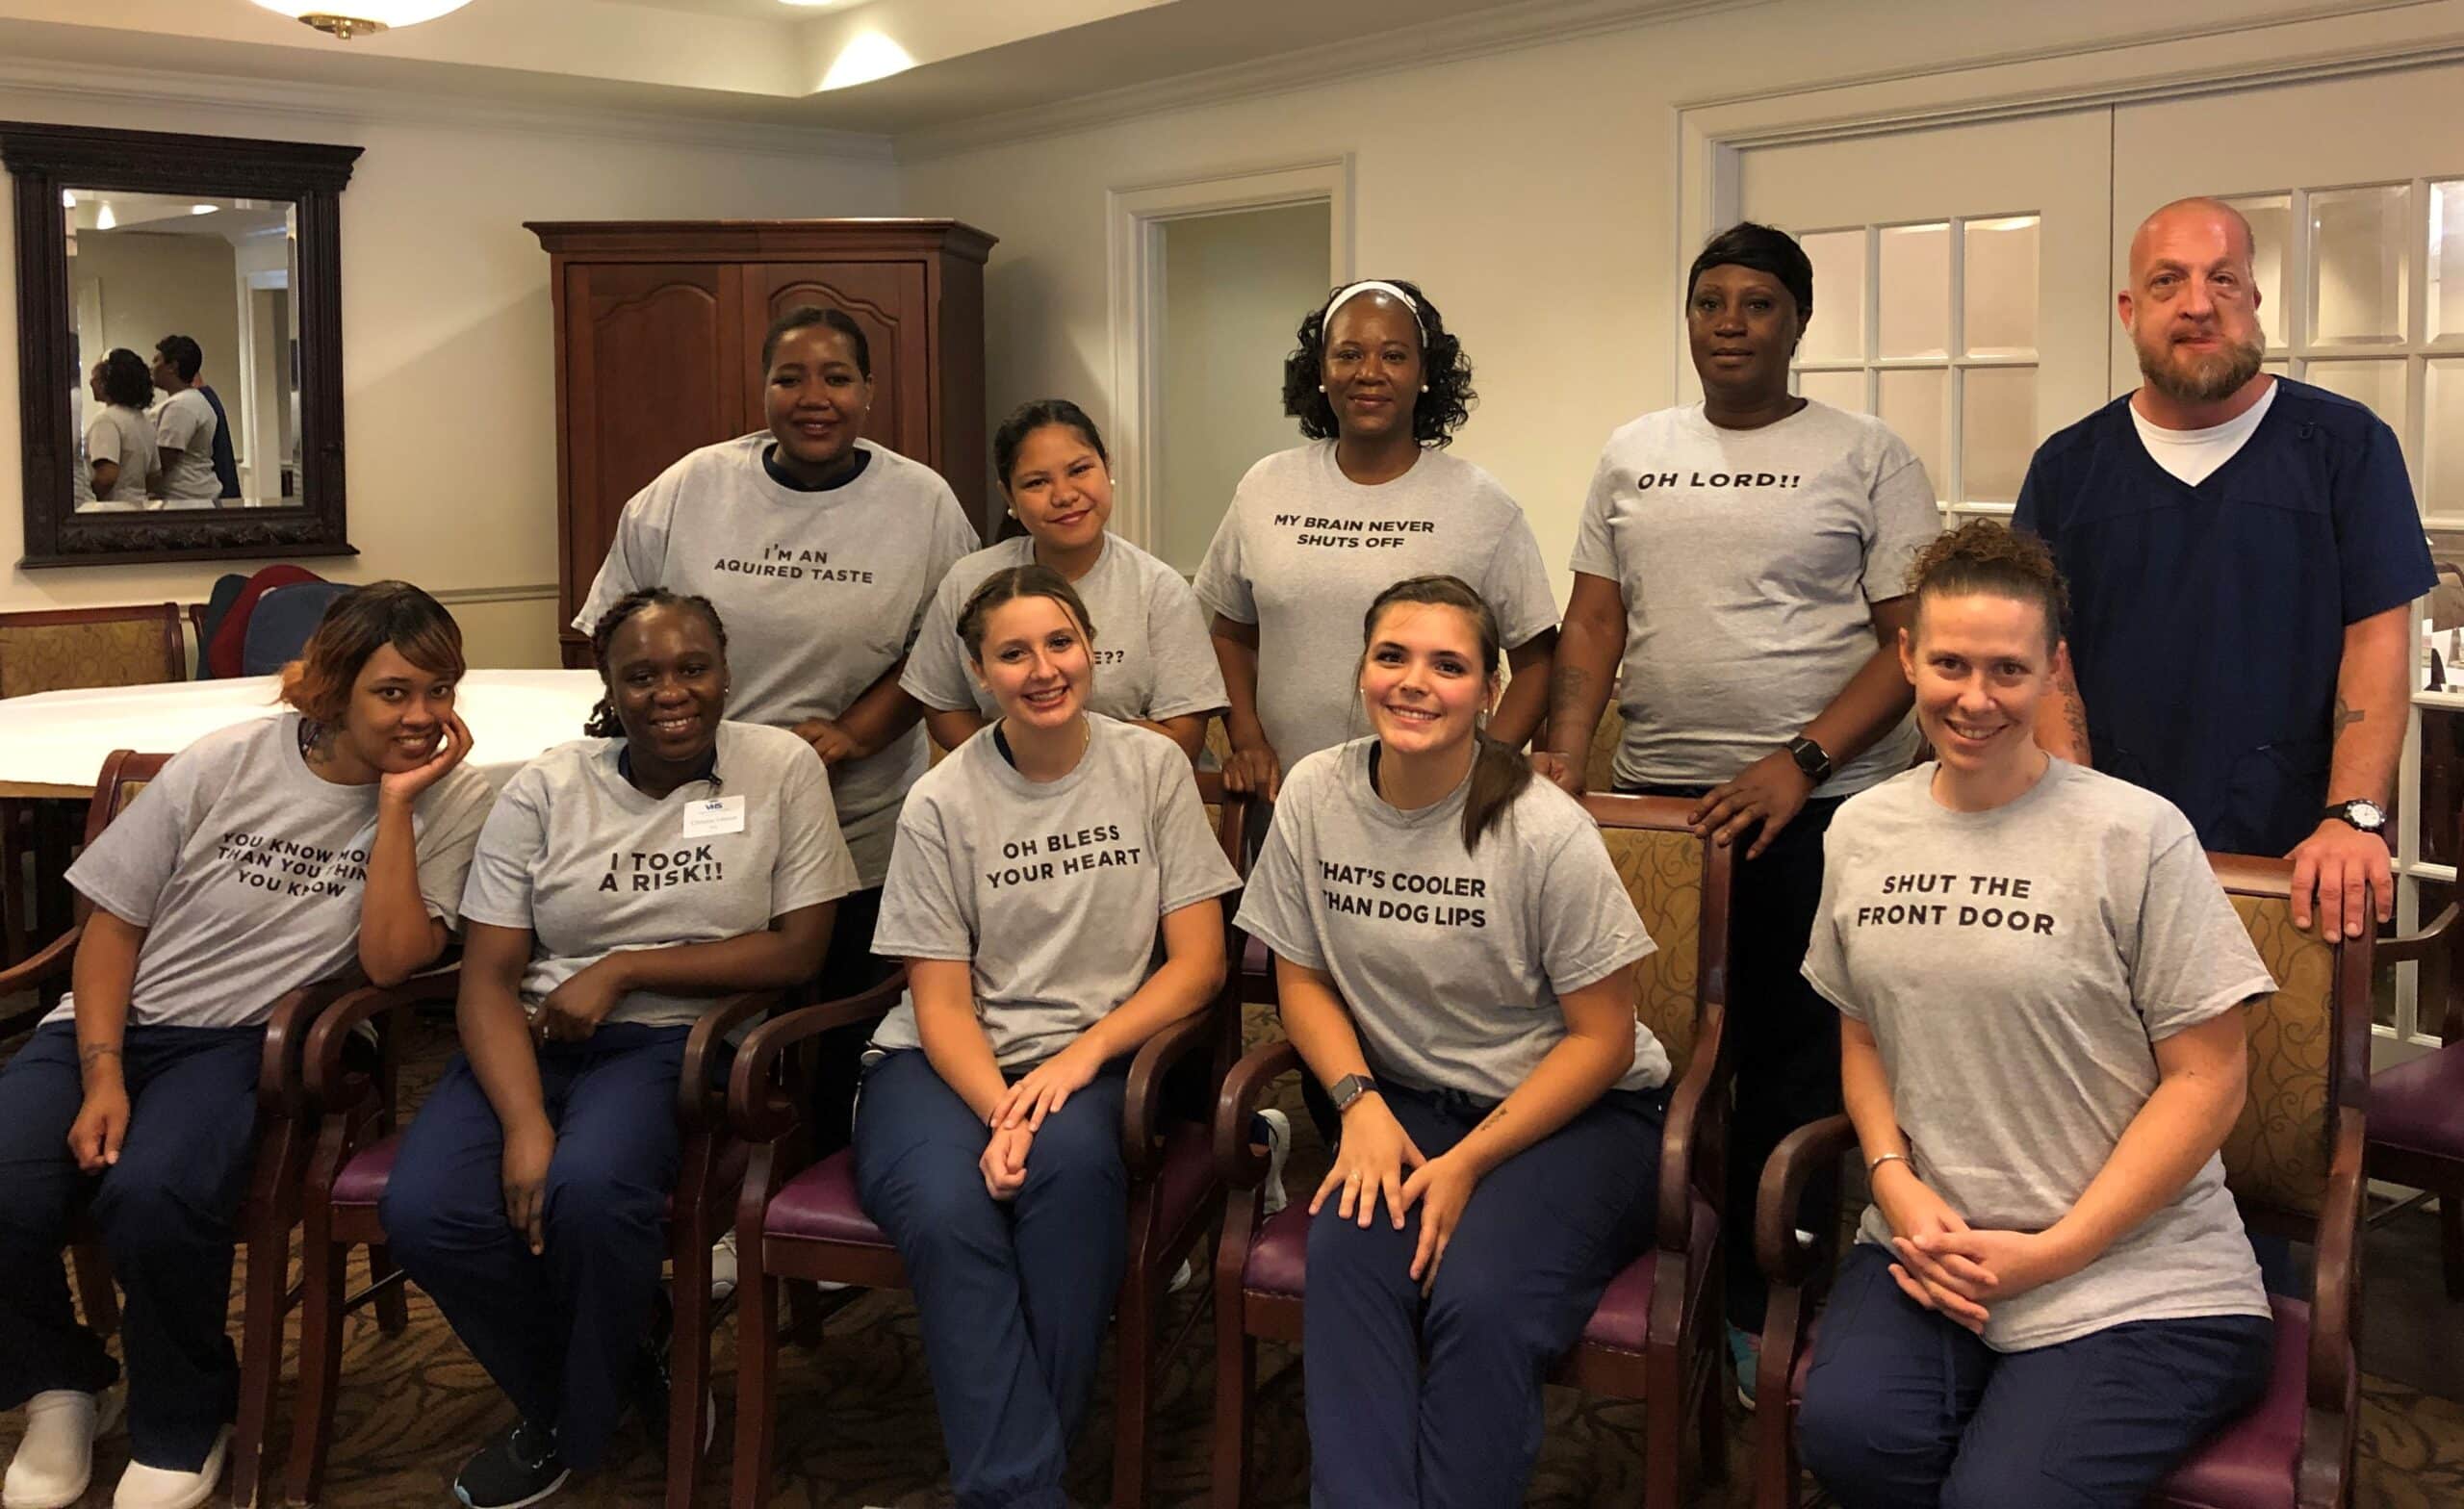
x=183, y=329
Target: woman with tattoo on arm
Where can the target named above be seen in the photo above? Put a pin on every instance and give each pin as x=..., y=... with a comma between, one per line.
x=1454, y=955
x=1744, y=559
x=2039, y=987
x=264, y=857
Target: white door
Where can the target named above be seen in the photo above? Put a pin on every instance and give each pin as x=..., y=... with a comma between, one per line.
x=2356, y=190
x=1957, y=273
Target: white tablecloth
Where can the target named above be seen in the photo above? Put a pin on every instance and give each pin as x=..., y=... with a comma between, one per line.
x=61, y=738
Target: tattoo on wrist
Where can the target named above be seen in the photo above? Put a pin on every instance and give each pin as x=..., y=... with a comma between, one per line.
x=94, y=1053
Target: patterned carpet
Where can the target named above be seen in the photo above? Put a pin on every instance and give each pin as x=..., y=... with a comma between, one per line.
x=857, y=1429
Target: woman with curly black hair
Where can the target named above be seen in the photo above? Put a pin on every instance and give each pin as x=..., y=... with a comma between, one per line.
x=1314, y=534
x=119, y=441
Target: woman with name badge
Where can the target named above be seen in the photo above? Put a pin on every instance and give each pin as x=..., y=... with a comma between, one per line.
x=1038, y=869
x=623, y=881
x=1156, y=665
x=1379, y=387
x=124, y=463
x=264, y=857
x=1454, y=956
x=2040, y=985
x=1740, y=576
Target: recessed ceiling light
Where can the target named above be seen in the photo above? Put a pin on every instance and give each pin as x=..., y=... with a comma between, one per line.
x=203, y=209
x=105, y=219
x=869, y=57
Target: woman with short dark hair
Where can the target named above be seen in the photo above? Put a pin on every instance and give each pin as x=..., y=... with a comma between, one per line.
x=122, y=459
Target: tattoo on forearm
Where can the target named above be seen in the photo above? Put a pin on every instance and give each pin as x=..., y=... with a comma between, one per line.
x=1491, y=1119
x=2074, y=711
x=2346, y=715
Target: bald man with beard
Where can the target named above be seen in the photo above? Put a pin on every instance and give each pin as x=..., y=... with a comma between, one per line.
x=2240, y=551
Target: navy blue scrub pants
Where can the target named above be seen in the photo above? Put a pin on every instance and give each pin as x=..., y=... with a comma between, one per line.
x=561, y=1333
x=167, y=1212
x=1013, y=1295
x=1435, y=1403
x=1905, y=1410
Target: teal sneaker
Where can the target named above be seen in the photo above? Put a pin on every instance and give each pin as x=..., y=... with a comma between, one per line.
x=1745, y=1353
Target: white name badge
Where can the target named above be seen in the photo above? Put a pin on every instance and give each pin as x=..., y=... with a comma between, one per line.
x=717, y=815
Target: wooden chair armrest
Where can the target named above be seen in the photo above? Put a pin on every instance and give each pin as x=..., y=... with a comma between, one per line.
x=1696, y=1128
x=1235, y=1104
x=700, y=1105
x=1142, y=1121
x=328, y=1085
x=282, y=1086
x=2413, y=946
x=53, y=960
x=759, y=1108
x=1800, y=1157
x=2336, y=1279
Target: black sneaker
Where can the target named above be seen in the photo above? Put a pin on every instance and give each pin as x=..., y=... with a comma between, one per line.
x=520, y=1466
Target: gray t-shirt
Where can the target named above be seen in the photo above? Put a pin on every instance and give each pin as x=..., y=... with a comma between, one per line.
x=1304, y=549
x=822, y=593
x=1153, y=659
x=592, y=866
x=1052, y=891
x=2015, y=967
x=244, y=868
x=185, y=424
x=1450, y=963
x=120, y=435
x=1750, y=561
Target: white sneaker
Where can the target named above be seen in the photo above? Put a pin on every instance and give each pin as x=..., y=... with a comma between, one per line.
x=1278, y=1153
x=143, y=1487
x=723, y=1268
x=56, y=1460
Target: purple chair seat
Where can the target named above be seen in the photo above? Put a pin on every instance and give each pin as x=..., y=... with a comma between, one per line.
x=361, y=1182
x=820, y=1203
x=2418, y=1107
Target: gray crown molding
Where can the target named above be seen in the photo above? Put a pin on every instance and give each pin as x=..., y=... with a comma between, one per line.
x=326, y=103
x=545, y=591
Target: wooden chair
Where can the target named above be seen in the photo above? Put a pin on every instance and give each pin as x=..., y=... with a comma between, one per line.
x=1656, y=1334
x=356, y=1146
x=272, y=1207
x=800, y=1220
x=2293, y=1161
x=2416, y=1108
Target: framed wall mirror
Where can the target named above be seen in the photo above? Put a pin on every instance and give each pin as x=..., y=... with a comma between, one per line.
x=179, y=345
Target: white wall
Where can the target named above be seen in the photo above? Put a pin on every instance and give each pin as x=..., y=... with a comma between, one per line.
x=448, y=375
x=1235, y=287
x=1535, y=193
x=153, y=285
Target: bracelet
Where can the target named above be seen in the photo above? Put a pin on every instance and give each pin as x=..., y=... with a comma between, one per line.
x=1889, y=1157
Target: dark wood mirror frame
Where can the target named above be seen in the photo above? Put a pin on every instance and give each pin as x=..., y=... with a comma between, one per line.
x=41, y=161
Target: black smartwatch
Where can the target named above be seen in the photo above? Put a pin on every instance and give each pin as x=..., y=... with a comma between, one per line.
x=1350, y=1088
x=2367, y=816
x=1811, y=758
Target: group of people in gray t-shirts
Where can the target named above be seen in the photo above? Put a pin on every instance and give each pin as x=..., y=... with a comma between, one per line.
x=134, y=454
x=2018, y=976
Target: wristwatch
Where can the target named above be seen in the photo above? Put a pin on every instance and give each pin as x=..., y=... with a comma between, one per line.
x=1811, y=759
x=2366, y=815
x=1350, y=1088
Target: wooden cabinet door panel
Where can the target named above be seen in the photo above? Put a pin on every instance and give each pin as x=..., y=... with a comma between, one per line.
x=655, y=366
x=886, y=300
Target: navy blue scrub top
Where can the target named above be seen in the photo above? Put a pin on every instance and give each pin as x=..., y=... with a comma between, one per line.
x=2207, y=623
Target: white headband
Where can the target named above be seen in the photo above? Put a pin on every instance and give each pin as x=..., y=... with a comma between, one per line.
x=1371, y=286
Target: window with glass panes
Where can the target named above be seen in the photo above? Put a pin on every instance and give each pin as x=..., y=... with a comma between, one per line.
x=1933, y=327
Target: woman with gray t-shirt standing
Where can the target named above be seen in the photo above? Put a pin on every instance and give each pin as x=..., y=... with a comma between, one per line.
x=1038, y=870
x=2040, y=987
x=1455, y=961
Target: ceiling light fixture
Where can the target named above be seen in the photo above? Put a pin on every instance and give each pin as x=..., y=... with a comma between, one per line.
x=869, y=57
x=69, y=199
x=369, y=17
x=105, y=219
x=203, y=209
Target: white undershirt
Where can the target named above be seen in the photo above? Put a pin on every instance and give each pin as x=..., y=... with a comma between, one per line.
x=2194, y=454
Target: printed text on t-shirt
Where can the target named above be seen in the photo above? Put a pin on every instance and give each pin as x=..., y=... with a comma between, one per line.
x=657, y=869
x=1352, y=534
x=290, y=868
x=1070, y=852
x=1395, y=895
x=1645, y=481
x=790, y=564
x=1974, y=901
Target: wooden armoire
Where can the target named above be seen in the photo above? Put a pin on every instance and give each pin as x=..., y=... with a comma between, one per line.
x=658, y=346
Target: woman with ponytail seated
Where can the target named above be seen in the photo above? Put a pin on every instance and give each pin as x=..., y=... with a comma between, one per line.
x=266, y=857
x=622, y=883
x=1454, y=955
x=2040, y=983
x=1053, y=891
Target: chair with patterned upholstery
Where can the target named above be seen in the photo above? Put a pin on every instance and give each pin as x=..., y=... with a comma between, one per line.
x=1657, y=1333
x=801, y=1219
x=271, y=1206
x=2416, y=1108
x=2293, y=1161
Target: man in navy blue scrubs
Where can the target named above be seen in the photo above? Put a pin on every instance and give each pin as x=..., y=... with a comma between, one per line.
x=2240, y=551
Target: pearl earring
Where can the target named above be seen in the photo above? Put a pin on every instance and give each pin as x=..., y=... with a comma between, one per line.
x=1321, y=386
x=1424, y=387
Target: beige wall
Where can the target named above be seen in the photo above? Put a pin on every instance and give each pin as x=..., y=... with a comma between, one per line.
x=1235, y=286
x=158, y=285
x=448, y=376
x=1533, y=193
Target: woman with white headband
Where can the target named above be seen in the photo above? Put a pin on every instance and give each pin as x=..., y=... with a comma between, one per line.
x=1315, y=533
